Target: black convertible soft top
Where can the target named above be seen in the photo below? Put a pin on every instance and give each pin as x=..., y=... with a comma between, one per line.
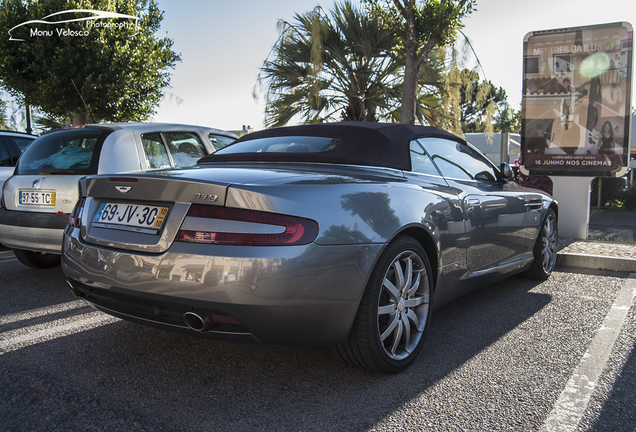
x=359, y=143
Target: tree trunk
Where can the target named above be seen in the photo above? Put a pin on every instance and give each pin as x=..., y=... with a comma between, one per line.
x=415, y=56
x=79, y=118
x=409, y=95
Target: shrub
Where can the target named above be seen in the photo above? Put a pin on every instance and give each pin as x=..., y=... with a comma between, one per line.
x=612, y=192
x=629, y=198
x=543, y=183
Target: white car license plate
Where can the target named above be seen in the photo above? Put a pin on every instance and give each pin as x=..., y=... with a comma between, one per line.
x=132, y=217
x=31, y=197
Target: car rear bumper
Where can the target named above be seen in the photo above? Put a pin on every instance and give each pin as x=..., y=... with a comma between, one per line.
x=32, y=231
x=287, y=295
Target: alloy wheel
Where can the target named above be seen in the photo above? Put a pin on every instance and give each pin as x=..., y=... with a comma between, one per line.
x=403, y=305
x=549, y=242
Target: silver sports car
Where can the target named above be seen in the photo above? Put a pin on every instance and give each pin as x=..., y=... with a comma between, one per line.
x=344, y=234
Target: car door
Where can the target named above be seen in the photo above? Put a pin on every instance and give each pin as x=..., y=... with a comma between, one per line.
x=445, y=213
x=495, y=211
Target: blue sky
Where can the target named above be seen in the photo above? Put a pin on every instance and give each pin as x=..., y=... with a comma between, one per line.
x=223, y=44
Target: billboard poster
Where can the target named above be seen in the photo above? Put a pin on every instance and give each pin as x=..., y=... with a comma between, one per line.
x=576, y=101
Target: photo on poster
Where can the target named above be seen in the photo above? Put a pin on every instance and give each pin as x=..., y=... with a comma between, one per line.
x=609, y=131
x=539, y=135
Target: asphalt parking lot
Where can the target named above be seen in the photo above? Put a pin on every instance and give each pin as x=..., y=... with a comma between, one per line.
x=507, y=357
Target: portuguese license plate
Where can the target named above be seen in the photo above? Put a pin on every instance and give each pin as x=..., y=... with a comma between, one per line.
x=131, y=217
x=31, y=197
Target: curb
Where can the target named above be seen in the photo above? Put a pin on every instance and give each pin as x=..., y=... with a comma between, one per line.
x=597, y=262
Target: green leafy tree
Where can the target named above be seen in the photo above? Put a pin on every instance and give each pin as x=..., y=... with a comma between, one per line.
x=478, y=102
x=331, y=67
x=507, y=119
x=117, y=72
x=419, y=27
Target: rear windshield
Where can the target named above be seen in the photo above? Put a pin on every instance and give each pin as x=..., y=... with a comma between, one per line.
x=74, y=151
x=282, y=144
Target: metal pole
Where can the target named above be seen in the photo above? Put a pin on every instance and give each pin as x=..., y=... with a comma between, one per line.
x=600, y=183
x=505, y=141
x=28, y=119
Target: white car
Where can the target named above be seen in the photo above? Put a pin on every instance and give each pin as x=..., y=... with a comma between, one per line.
x=38, y=198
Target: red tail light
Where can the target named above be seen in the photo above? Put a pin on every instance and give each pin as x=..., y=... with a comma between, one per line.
x=293, y=230
x=75, y=220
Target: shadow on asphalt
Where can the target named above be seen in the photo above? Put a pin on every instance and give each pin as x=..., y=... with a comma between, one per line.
x=188, y=381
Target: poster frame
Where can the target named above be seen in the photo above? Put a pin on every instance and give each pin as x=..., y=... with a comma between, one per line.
x=571, y=77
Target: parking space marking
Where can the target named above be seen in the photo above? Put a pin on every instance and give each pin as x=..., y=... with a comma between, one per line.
x=573, y=401
x=47, y=310
x=26, y=336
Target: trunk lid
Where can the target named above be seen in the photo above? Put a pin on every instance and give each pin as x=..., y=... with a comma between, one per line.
x=115, y=202
x=41, y=193
x=142, y=213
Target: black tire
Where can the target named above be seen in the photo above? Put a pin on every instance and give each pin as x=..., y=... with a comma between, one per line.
x=395, y=305
x=37, y=260
x=545, y=249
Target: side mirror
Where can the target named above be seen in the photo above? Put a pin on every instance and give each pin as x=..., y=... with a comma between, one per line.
x=506, y=171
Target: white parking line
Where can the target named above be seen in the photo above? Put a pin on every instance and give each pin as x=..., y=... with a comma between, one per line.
x=26, y=336
x=571, y=405
x=47, y=310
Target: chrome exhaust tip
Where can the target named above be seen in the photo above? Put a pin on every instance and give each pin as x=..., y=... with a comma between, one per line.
x=200, y=321
x=76, y=292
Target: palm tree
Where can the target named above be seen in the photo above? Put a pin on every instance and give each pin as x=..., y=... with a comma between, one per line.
x=344, y=66
x=336, y=67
